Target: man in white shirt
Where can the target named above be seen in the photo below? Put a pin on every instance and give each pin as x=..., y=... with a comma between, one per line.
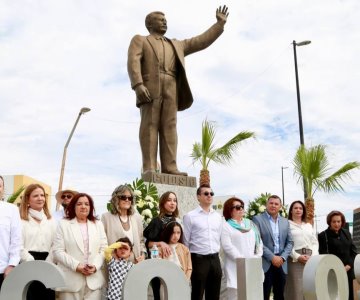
x=202, y=231
x=10, y=238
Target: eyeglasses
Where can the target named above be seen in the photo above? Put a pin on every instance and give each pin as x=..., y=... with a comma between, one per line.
x=207, y=194
x=238, y=207
x=126, y=198
x=66, y=196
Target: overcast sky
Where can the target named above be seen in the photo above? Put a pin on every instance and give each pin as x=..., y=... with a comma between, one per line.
x=59, y=56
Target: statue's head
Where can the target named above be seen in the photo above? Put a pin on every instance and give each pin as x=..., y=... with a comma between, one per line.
x=155, y=22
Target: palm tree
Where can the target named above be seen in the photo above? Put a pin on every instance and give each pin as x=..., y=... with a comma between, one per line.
x=12, y=198
x=311, y=167
x=205, y=152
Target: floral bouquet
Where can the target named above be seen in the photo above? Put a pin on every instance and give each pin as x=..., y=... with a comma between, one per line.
x=147, y=200
x=258, y=206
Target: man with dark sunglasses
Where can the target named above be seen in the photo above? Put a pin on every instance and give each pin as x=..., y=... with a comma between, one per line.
x=63, y=198
x=202, y=231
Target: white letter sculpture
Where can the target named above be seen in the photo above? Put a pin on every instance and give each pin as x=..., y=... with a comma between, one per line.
x=325, y=278
x=249, y=279
x=137, y=281
x=16, y=284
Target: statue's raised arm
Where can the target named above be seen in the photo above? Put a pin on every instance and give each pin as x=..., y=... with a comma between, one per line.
x=222, y=13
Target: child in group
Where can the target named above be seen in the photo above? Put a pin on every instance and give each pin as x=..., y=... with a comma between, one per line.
x=117, y=257
x=173, y=236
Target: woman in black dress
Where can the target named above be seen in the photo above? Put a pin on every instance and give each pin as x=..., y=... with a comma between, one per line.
x=337, y=240
x=153, y=232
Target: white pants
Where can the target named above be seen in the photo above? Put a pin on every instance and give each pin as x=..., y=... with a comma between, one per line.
x=84, y=294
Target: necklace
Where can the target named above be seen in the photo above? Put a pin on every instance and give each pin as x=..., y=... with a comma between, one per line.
x=126, y=224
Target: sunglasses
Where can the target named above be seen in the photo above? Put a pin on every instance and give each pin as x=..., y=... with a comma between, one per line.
x=126, y=198
x=66, y=196
x=238, y=207
x=207, y=194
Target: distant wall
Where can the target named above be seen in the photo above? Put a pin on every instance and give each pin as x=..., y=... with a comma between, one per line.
x=356, y=229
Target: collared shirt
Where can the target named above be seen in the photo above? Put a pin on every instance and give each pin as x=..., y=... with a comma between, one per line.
x=167, y=59
x=10, y=235
x=275, y=230
x=202, y=231
x=304, y=236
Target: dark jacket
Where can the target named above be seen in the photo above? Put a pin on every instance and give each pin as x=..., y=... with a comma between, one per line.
x=339, y=244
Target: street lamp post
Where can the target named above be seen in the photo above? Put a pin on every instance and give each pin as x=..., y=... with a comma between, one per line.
x=282, y=183
x=82, y=111
x=301, y=130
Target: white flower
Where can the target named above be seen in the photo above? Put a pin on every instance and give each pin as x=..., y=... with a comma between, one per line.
x=283, y=214
x=257, y=204
x=252, y=213
x=151, y=205
x=149, y=198
x=137, y=193
x=262, y=208
x=146, y=213
x=140, y=204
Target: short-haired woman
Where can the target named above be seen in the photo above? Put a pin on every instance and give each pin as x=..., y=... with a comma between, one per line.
x=240, y=238
x=337, y=240
x=79, y=250
x=38, y=233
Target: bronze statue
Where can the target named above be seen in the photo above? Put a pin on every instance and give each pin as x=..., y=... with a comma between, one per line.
x=157, y=73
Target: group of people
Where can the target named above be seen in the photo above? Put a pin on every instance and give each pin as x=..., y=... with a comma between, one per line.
x=81, y=244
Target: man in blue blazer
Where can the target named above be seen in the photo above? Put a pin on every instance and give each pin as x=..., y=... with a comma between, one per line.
x=277, y=241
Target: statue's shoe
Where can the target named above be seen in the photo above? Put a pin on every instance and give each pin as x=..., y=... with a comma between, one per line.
x=176, y=172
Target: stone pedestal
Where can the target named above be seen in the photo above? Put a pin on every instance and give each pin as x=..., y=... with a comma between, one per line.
x=169, y=179
x=183, y=186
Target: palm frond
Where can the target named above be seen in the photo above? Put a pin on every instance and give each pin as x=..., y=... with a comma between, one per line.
x=202, y=151
x=205, y=152
x=208, y=136
x=196, y=153
x=335, y=181
x=310, y=167
x=225, y=153
x=12, y=198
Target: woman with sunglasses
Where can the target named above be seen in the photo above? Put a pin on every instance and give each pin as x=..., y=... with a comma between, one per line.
x=240, y=239
x=122, y=221
x=153, y=232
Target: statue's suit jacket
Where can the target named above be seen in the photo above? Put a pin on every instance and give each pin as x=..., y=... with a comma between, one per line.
x=267, y=237
x=144, y=68
x=69, y=252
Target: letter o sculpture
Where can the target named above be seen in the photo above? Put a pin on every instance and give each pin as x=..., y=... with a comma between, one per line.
x=138, y=279
x=325, y=278
x=16, y=284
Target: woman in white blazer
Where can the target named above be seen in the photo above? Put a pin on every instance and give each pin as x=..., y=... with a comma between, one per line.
x=124, y=221
x=79, y=250
x=38, y=233
x=240, y=238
